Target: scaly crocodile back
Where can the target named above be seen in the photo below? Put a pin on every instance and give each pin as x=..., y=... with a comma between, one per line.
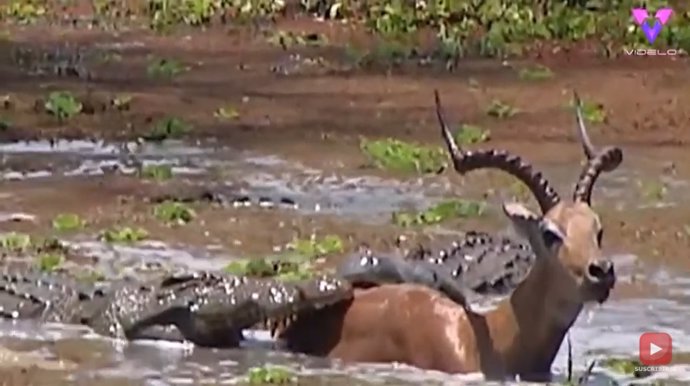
x=478, y=264
x=209, y=309
x=46, y=297
x=484, y=263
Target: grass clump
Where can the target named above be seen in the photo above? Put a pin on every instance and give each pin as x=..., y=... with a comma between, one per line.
x=440, y=212
x=66, y=222
x=167, y=128
x=270, y=375
x=15, y=242
x=174, y=213
x=124, y=235
x=157, y=172
x=63, y=105
x=395, y=155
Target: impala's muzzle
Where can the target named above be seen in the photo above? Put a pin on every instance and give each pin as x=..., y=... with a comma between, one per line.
x=601, y=278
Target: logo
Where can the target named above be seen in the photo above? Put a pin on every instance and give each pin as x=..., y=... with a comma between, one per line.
x=656, y=348
x=661, y=17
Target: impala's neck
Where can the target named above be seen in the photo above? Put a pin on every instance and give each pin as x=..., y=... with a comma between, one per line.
x=528, y=328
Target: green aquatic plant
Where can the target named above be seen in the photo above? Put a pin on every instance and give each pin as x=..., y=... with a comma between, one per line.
x=15, y=242
x=271, y=375
x=591, y=111
x=124, y=235
x=626, y=366
x=157, y=172
x=317, y=246
x=63, y=105
x=396, y=155
x=227, y=112
x=288, y=267
x=174, y=213
x=167, y=128
x=65, y=222
x=500, y=109
x=122, y=102
x=470, y=134
x=440, y=212
x=50, y=262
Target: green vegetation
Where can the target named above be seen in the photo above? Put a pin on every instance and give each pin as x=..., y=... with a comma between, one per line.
x=270, y=375
x=500, y=109
x=469, y=134
x=591, y=111
x=625, y=366
x=535, y=73
x=164, y=68
x=288, y=268
x=289, y=39
x=396, y=155
x=652, y=190
x=121, y=102
x=24, y=11
x=174, y=213
x=68, y=222
x=5, y=124
x=315, y=247
x=63, y=105
x=460, y=28
x=49, y=262
x=167, y=128
x=296, y=264
x=15, y=242
x=227, y=112
x=124, y=235
x=156, y=172
x=440, y=212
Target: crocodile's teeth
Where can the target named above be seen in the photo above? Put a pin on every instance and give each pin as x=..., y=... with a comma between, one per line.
x=272, y=330
x=275, y=325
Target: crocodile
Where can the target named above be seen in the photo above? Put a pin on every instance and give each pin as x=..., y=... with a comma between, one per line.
x=476, y=265
x=205, y=308
x=213, y=195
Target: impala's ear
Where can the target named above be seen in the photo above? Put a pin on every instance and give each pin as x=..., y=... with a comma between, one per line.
x=518, y=212
x=544, y=236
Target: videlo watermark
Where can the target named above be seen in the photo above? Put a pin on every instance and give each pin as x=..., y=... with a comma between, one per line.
x=651, y=32
x=651, y=52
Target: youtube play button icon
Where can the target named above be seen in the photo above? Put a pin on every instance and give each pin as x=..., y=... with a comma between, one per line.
x=656, y=349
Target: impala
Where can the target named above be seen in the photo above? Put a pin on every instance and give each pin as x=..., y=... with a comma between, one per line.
x=420, y=326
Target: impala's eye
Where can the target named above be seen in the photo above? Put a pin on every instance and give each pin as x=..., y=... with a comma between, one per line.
x=551, y=235
x=551, y=238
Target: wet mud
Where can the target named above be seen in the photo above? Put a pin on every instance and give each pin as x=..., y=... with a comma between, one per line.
x=287, y=165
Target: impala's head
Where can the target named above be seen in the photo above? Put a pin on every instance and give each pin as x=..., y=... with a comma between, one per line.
x=567, y=236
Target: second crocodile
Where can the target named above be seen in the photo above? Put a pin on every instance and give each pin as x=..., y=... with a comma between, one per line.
x=208, y=309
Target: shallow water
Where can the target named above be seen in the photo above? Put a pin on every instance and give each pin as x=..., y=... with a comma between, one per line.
x=598, y=335
x=612, y=329
x=363, y=197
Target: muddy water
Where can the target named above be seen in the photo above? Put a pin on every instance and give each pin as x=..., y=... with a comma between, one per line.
x=78, y=356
